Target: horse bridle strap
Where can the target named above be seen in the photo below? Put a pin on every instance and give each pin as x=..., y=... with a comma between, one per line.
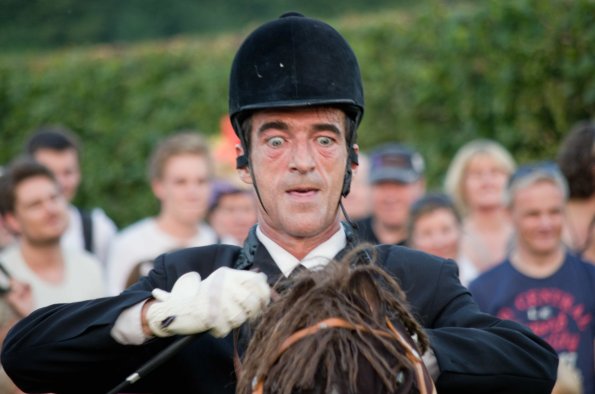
x=426, y=386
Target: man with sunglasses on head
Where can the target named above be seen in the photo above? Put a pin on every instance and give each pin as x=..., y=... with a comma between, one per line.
x=295, y=101
x=542, y=284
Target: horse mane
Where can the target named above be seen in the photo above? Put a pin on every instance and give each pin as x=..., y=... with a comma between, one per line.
x=335, y=360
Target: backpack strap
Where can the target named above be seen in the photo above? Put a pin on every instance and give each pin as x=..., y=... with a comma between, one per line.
x=87, y=226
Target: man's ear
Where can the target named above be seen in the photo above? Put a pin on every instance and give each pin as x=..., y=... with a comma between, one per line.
x=355, y=166
x=11, y=222
x=243, y=172
x=157, y=188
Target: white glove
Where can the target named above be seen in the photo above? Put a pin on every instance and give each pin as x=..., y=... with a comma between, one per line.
x=220, y=303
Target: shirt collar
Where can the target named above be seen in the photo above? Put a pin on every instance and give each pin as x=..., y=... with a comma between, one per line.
x=319, y=256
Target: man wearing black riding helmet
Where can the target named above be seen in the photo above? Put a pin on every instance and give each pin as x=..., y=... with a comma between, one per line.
x=296, y=100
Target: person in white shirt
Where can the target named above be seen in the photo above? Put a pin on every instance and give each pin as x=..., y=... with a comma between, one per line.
x=58, y=149
x=180, y=172
x=34, y=208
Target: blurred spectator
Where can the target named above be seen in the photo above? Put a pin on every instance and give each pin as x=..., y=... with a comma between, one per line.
x=58, y=149
x=576, y=158
x=397, y=180
x=476, y=179
x=47, y=272
x=180, y=171
x=541, y=284
x=232, y=211
x=569, y=380
x=435, y=227
x=33, y=207
x=15, y=302
x=358, y=204
x=6, y=237
x=589, y=253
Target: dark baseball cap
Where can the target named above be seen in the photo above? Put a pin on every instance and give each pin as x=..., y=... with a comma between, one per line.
x=396, y=163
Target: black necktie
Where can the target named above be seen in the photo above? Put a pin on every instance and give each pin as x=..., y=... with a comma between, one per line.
x=285, y=283
x=297, y=270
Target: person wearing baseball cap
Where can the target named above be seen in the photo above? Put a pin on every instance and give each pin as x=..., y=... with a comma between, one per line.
x=397, y=180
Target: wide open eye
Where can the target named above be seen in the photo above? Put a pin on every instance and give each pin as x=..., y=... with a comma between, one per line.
x=275, y=142
x=325, y=141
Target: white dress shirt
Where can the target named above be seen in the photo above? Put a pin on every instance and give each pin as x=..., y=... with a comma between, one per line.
x=318, y=257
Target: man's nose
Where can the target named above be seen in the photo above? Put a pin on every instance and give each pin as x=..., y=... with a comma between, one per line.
x=53, y=205
x=302, y=158
x=545, y=221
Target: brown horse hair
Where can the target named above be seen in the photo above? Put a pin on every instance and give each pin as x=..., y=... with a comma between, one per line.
x=353, y=289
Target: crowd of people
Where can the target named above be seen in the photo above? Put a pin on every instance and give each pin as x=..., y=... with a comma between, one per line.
x=531, y=252
x=522, y=239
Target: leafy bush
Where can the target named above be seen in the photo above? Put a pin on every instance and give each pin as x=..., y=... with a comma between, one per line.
x=435, y=76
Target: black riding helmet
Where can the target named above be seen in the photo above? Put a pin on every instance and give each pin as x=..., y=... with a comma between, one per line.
x=295, y=61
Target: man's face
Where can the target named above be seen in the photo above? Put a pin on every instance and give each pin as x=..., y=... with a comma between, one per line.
x=484, y=182
x=235, y=215
x=40, y=213
x=65, y=166
x=537, y=214
x=298, y=158
x=391, y=202
x=184, y=188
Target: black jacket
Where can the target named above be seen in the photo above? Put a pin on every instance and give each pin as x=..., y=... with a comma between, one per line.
x=68, y=347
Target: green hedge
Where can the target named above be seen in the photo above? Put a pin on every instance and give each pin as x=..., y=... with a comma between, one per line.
x=520, y=72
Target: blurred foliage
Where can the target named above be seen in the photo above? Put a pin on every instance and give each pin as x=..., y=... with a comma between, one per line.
x=436, y=75
x=39, y=24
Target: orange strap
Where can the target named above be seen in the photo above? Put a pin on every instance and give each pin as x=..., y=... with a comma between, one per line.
x=426, y=386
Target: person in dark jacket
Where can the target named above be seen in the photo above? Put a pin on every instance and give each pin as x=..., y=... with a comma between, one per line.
x=295, y=101
x=396, y=181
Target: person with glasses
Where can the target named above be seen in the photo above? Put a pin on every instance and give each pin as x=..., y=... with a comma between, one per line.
x=543, y=284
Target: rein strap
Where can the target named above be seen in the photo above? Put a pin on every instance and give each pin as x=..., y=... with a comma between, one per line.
x=425, y=383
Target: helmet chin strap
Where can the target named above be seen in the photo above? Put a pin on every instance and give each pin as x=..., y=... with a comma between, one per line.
x=351, y=158
x=346, y=216
x=256, y=186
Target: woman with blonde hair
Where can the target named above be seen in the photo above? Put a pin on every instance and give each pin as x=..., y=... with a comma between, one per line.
x=476, y=180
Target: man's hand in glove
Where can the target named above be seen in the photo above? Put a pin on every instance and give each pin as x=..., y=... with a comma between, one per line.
x=220, y=303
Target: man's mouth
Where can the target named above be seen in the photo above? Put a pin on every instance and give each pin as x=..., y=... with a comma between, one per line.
x=302, y=191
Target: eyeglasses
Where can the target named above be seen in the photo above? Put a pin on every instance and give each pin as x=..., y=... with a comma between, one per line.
x=548, y=168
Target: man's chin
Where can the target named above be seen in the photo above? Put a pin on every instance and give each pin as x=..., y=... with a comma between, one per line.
x=308, y=229
x=45, y=241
